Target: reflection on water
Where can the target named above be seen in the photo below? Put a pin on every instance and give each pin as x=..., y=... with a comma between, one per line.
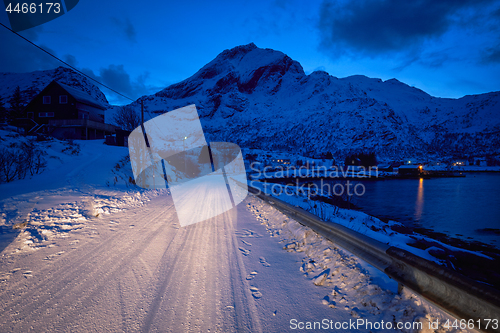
x=419, y=205
x=467, y=208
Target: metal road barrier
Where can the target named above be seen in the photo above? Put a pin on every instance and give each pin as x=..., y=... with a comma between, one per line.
x=454, y=293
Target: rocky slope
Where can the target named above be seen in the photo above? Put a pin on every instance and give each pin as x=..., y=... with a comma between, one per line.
x=261, y=98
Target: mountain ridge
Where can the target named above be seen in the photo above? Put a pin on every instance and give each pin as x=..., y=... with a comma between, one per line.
x=261, y=98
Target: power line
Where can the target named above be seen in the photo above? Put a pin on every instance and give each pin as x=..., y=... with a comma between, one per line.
x=53, y=56
x=77, y=70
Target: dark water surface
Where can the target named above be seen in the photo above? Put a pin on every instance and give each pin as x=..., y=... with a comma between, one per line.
x=466, y=208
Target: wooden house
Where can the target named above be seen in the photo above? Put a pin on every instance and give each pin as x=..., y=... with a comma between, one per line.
x=64, y=112
x=410, y=170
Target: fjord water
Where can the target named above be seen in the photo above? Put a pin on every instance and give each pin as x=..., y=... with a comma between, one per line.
x=466, y=208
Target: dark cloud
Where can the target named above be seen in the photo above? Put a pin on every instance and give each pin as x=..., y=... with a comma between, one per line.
x=20, y=56
x=70, y=59
x=376, y=27
x=496, y=13
x=116, y=77
x=431, y=59
x=126, y=26
x=492, y=55
x=406, y=63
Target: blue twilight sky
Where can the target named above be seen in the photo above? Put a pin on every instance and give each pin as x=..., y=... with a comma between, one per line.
x=448, y=48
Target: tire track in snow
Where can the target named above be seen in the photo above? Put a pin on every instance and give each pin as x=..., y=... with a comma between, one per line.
x=183, y=302
x=115, y=275
x=167, y=267
x=155, y=277
x=96, y=266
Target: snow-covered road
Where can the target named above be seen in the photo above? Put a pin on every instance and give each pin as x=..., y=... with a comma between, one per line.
x=138, y=270
x=100, y=256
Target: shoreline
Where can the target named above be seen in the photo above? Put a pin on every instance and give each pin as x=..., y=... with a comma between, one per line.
x=471, y=258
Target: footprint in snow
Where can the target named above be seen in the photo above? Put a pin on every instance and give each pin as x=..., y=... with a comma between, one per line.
x=246, y=243
x=247, y=233
x=244, y=251
x=255, y=292
x=4, y=276
x=264, y=262
x=252, y=275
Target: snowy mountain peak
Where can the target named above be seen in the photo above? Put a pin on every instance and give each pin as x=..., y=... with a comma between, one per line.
x=237, y=51
x=245, y=60
x=261, y=98
x=242, y=69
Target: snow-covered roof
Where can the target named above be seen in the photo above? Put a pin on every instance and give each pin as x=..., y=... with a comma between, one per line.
x=81, y=96
x=410, y=166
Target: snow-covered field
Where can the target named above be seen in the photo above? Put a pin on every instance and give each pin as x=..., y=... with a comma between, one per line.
x=97, y=254
x=82, y=181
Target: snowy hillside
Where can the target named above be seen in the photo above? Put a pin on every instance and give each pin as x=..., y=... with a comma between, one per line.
x=32, y=83
x=261, y=98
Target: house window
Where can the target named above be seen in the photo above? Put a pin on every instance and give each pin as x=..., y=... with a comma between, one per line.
x=31, y=115
x=46, y=99
x=46, y=114
x=63, y=99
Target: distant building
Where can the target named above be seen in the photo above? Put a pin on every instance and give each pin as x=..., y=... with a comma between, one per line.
x=480, y=161
x=411, y=170
x=120, y=138
x=65, y=113
x=460, y=163
x=281, y=161
x=391, y=167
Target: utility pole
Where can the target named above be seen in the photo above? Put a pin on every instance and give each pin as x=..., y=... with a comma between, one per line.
x=142, y=113
x=144, y=151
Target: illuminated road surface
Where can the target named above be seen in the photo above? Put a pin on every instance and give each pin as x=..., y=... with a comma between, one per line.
x=138, y=270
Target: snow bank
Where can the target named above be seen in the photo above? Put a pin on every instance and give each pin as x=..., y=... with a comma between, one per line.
x=349, y=283
x=81, y=182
